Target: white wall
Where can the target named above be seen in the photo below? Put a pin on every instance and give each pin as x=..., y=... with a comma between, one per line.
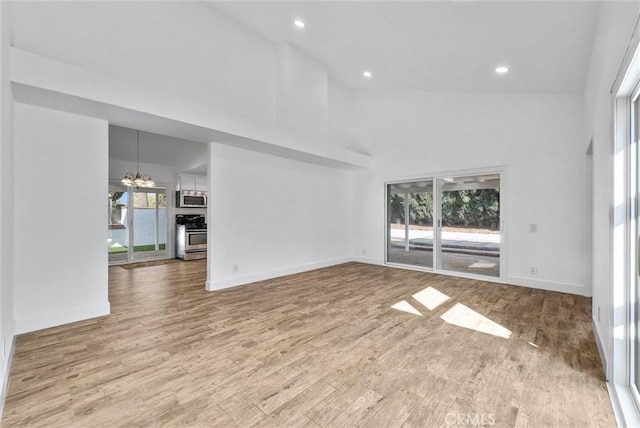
x=188, y=49
x=270, y=216
x=538, y=138
x=341, y=104
x=298, y=73
x=202, y=56
x=59, y=277
x=615, y=26
x=6, y=201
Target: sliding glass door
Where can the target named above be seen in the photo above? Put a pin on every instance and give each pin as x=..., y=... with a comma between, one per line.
x=469, y=226
x=446, y=223
x=410, y=223
x=137, y=223
x=149, y=222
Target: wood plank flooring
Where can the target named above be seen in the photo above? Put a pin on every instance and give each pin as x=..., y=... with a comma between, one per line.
x=319, y=349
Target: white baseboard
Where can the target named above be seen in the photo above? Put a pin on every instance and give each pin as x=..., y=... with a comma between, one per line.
x=53, y=319
x=601, y=350
x=247, y=279
x=6, y=369
x=512, y=280
x=561, y=287
x=367, y=260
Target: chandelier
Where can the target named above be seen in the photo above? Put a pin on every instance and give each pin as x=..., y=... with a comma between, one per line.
x=138, y=180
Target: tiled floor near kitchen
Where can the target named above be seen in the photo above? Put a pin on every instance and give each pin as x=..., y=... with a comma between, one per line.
x=351, y=345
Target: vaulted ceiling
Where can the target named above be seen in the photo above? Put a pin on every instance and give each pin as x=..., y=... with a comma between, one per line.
x=436, y=45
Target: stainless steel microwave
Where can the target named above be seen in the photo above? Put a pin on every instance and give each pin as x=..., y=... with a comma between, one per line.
x=191, y=199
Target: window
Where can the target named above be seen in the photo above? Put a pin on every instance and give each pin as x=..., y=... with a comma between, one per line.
x=624, y=373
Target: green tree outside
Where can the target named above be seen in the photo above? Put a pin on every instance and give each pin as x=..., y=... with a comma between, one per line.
x=479, y=208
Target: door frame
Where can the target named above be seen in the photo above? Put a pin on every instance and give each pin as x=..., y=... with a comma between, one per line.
x=130, y=221
x=502, y=171
x=127, y=226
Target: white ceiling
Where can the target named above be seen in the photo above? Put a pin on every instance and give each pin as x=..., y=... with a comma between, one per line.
x=437, y=45
x=154, y=148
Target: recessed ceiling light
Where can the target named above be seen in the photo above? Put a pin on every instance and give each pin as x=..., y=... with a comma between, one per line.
x=367, y=74
x=502, y=69
x=298, y=23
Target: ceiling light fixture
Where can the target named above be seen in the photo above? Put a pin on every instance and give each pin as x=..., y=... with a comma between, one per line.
x=138, y=180
x=502, y=69
x=298, y=23
x=367, y=74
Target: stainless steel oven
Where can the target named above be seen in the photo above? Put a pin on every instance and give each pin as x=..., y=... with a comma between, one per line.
x=191, y=237
x=195, y=240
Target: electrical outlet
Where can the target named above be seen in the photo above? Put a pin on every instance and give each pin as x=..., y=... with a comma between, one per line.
x=235, y=268
x=364, y=251
x=598, y=313
x=533, y=270
x=533, y=227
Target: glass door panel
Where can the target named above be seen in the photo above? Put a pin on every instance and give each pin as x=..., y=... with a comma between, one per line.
x=162, y=221
x=118, y=224
x=149, y=223
x=137, y=223
x=469, y=232
x=410, y=223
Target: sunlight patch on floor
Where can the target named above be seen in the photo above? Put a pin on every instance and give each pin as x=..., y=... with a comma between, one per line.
x=482, y=265
x=405, y=306
x=430, y=298
x=462, y=316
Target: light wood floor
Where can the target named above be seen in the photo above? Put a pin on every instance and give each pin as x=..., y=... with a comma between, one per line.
x=322, y=348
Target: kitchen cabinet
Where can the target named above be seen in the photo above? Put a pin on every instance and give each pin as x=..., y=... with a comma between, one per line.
x=193, y=182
